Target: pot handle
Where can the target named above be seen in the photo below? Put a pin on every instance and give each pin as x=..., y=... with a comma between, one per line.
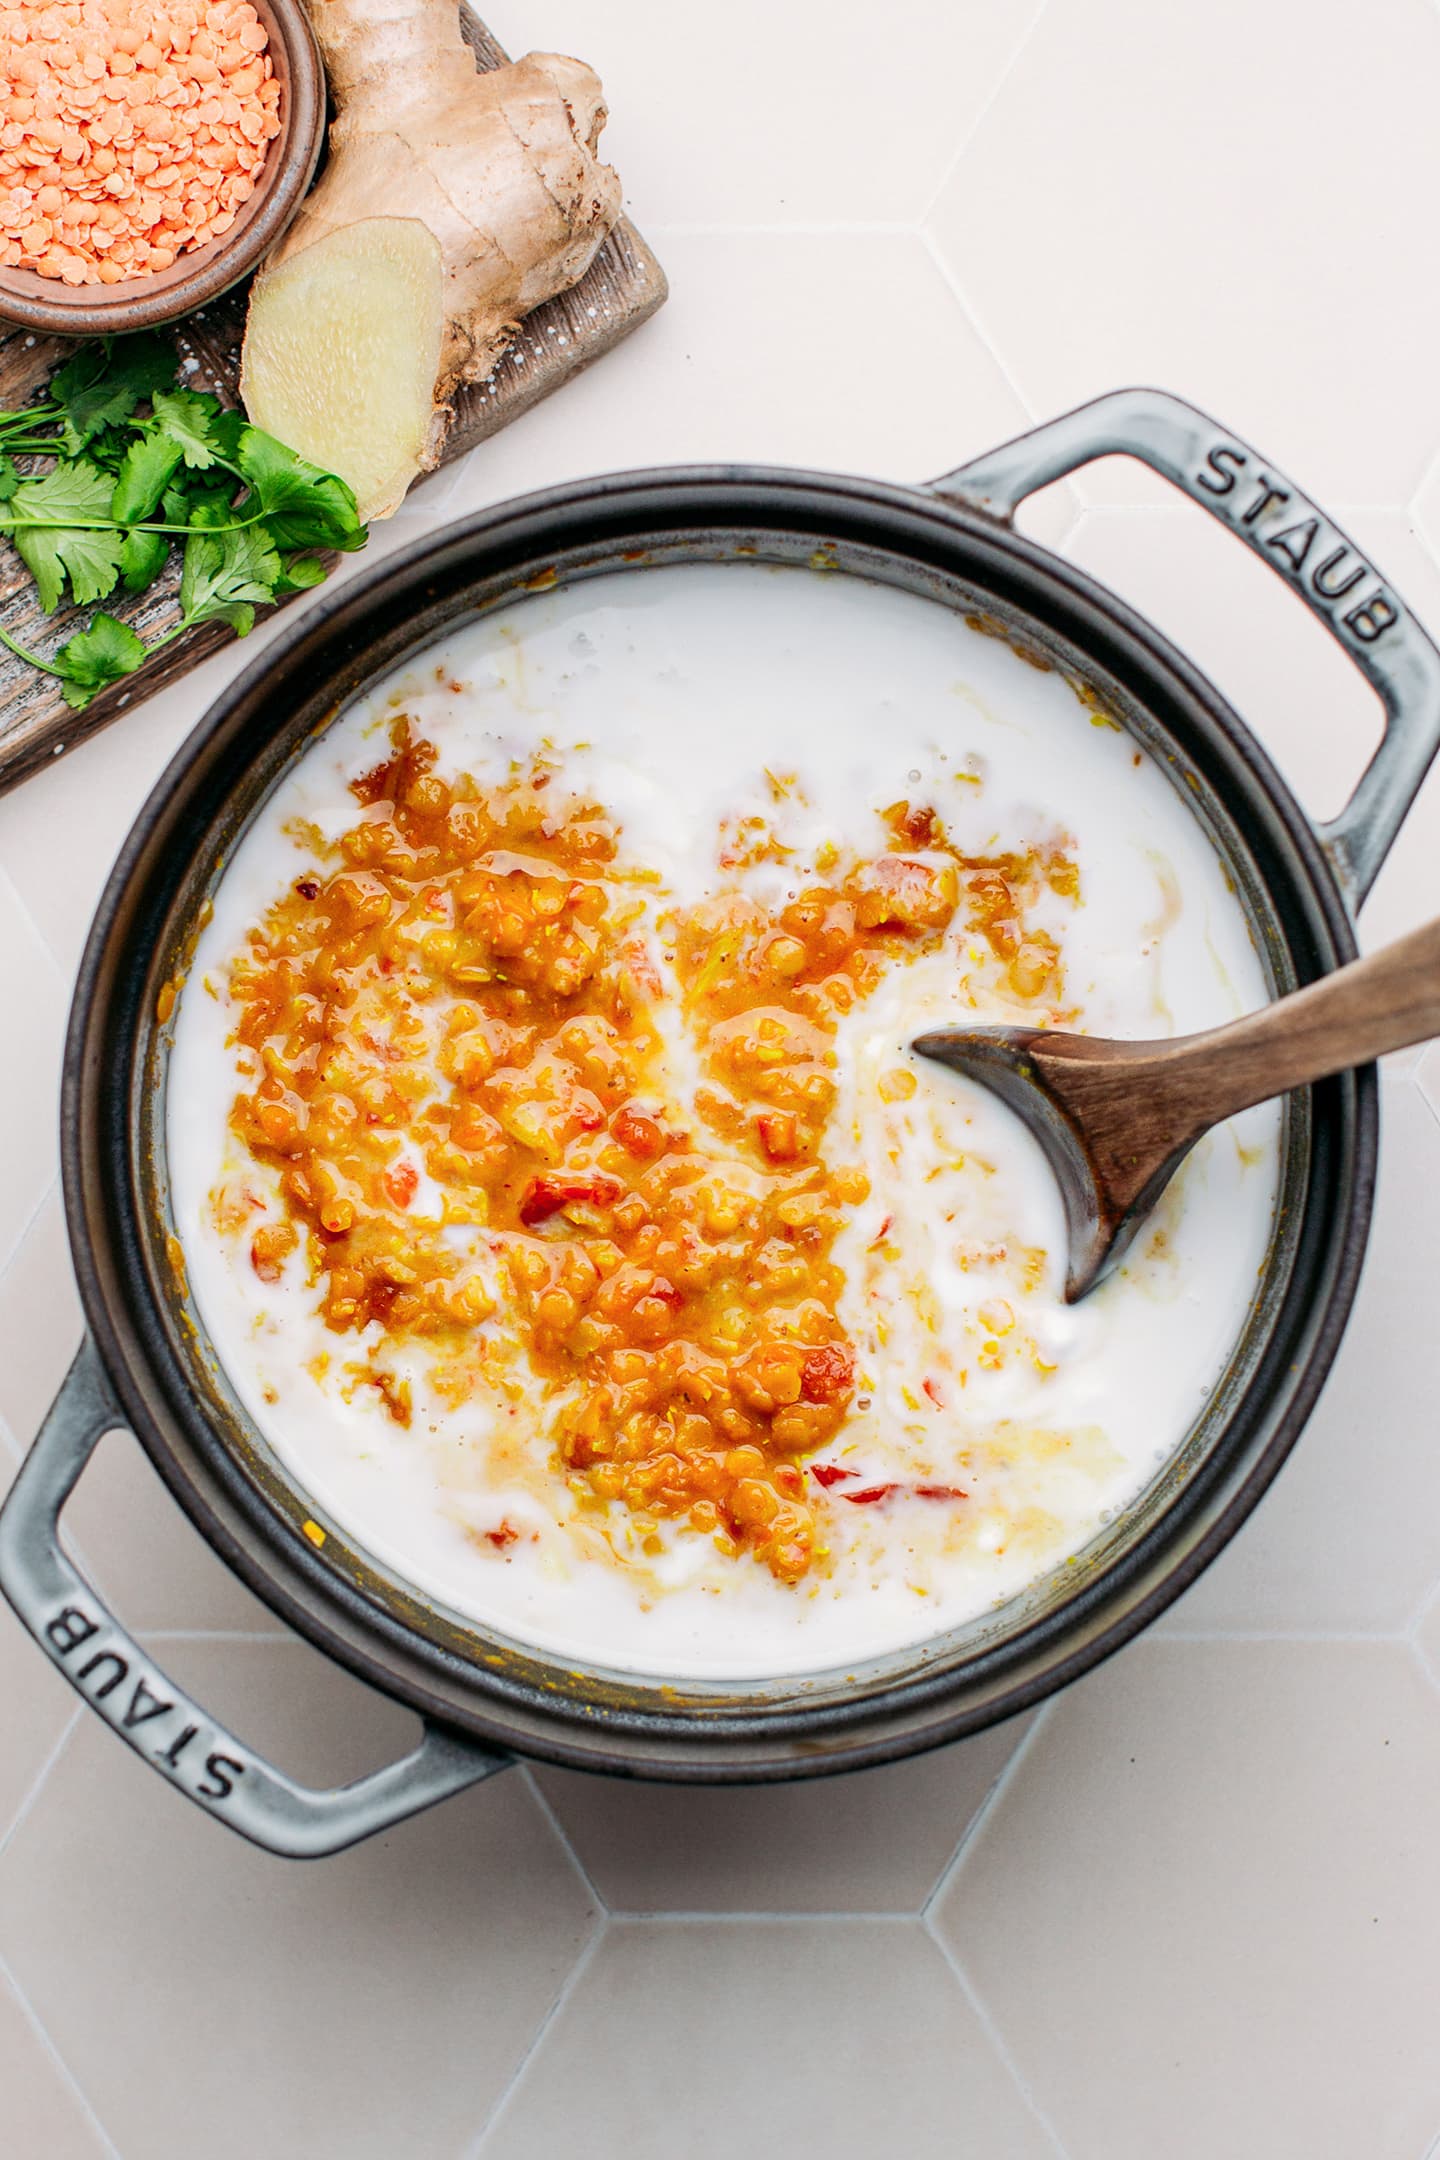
x=105, y=1665
x=1362, y=612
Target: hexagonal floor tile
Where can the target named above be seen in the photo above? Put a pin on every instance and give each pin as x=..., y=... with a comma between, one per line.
x=91, y=796
x=755, y=358
x=1198, y=1832
x=147, y=1557
x=1126, y=164
x=1303, y=698
x=1427, y=1637
x=872, y=1842
x=850, y=2037
x=29, y=1071
x=38, y=1707
x=40, y=1320
x=1349, y=1534
x=856, y=125
x=372, y=2004
x=43, y=2115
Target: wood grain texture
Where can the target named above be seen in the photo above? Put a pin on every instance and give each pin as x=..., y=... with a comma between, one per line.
x=623, y=286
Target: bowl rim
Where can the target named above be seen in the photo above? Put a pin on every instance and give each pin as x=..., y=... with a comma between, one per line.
x=30, y=302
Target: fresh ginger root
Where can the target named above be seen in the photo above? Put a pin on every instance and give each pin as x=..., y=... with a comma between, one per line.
x=452, y=204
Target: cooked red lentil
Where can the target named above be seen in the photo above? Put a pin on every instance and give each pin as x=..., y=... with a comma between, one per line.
x=463, y=993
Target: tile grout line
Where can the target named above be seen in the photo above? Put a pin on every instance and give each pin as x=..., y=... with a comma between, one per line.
x=1411, y=504
x=952, y=286
x=1423, y=1610
x=542, y=1801
x=67, y=974
x=1427, y=1671
x=986, y=1808
x=40, y=1779
x=741, y=1916
x=42, y=2034
x=28, y=1225
x=1026, y=40
x=563, y=1993
x=997, y=2041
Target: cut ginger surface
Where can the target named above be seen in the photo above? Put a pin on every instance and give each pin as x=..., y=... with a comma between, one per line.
x=465, y=1027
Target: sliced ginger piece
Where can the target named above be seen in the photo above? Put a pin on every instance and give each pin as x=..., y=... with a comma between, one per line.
x=342, y=350
x=502, y=168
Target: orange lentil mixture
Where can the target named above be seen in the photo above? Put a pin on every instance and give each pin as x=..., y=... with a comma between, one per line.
x=127, y=135
x=469, y=992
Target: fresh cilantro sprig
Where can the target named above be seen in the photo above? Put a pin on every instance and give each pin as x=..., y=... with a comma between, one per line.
x=127, y=484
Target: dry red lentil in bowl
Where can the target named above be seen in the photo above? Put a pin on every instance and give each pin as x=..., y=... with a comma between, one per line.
x=147, y=156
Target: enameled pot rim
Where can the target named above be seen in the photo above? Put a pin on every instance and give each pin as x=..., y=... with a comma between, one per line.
x=633, y=507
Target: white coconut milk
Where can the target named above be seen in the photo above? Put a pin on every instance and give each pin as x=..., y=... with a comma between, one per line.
x=667, y=695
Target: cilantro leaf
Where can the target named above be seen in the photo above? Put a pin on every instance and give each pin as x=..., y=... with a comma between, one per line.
x=188, y=418
x=93, y=658
x=142, y=558
x=226, y=430
x=104, y=383
x=9, y=478
x=225, y=573
x=299, y=574
x=67, y=501
x=144, y=476
x=304, y=507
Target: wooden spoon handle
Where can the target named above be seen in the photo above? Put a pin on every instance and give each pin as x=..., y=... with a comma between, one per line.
x=1381, y=1003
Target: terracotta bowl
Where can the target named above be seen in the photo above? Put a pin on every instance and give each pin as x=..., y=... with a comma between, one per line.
x=201, y=274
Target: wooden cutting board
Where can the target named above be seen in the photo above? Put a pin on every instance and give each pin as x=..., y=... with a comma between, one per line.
x=623, y=286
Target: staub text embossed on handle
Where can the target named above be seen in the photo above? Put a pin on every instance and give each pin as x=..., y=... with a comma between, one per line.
x=130, y=1694
x=1323, y=566
x=1304, y=542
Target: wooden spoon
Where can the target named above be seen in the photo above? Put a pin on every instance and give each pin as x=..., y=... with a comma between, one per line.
x=1116, y=1119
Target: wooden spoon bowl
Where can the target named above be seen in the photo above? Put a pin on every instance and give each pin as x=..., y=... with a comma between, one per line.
x=1115, y=1120
x=201, y=274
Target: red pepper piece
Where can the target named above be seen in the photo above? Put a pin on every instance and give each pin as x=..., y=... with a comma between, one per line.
x=400, y=1183
x=831, y=1473
x=547, y=1195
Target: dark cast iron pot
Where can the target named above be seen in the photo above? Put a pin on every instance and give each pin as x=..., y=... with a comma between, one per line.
x=146, y=1363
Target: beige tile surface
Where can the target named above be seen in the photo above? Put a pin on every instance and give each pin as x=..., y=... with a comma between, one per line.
x=40, y=1321
x=372, y=2005
x=848, y=2037
x=1125, y=213
x=794, y=115
x=33, y=1030
x=144, y=1553
x=1349, y=1535
x=42, y=2116
x=759, y=363
x=871, y=1842
x=1204, y=1918
x=1307, y=702
x=37, y=1708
